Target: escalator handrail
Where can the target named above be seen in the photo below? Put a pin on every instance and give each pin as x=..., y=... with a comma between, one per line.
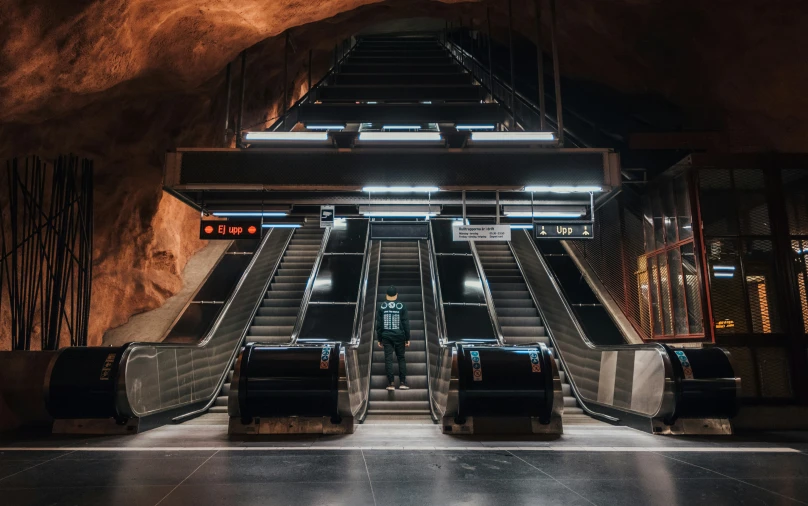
x=362, y=413
x=432, y=412
x=433, y=264
x=304, y=302
x=489, y=298
x=122, y=394
x=660, y=349
x=361, y=295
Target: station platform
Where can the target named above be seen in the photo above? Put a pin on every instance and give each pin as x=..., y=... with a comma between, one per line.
x=403, y=461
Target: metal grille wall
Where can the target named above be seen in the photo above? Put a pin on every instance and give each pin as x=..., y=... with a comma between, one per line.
x=617, y=257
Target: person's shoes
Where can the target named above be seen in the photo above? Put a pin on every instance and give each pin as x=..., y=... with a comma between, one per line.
x=403, y=386
x=391, y=386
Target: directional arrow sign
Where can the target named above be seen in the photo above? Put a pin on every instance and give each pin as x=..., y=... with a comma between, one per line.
x=563, y=230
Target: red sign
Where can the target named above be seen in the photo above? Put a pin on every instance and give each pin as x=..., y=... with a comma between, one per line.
x=230, y=229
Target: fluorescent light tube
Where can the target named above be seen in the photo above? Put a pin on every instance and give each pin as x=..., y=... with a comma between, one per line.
x=563, y=189
x=400, y=136
x=286, y=136
x=512, y=136
x=250, y=214
x=475, y=127
x=281, y=225
x=325, y=127
x=399, y=189
x=401, y=127
x=515, y=226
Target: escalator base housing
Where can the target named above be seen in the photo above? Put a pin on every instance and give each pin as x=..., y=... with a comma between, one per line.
x=291, y=425
x=501, y=425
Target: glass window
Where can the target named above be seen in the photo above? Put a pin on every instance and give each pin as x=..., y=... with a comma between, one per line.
x=684, y=217
x=695, y=318
x=758, y=262
x=726, y=287
x=678, y=292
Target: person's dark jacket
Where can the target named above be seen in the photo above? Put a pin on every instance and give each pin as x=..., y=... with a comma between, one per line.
x=392, y=321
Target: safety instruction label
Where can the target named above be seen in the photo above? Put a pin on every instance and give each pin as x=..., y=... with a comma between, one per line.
x=325, y=357
x=475, y=366
x=481, y=233
x=685, y=364
x=106, y=370
x=534, y=361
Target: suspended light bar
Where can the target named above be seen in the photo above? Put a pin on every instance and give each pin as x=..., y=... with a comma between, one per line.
x=723, y=267
x=325, y=127
x=249, y=214
x=563, y=189
x=401, y=127
x=512, y=136
x=517, y=226
x=400, y=189
x=393, y=211
x=544, y=211
x=724, y=274
x=542, y=214
x=400, y=136
x=475, y=127
x=287, y=136
x=281, y=225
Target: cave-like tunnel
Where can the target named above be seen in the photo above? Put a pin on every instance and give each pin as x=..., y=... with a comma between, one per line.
x=403, y=252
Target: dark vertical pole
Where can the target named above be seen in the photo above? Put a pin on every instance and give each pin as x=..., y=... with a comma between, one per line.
x=540, y=66
x=336, y=61
x=285, y=78
x=227, y=106
x=309, y=88
x=513, y=70
x=556, y=74
x=490, y=60
x=240, y=119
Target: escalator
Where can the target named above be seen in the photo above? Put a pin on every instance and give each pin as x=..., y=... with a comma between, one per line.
x=516, y=311
x=399, y=266
x=278, y=313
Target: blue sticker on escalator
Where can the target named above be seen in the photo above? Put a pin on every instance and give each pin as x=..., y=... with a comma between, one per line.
x=688, y=370
x=325, y=357
x=476, y=366
x=534, y=361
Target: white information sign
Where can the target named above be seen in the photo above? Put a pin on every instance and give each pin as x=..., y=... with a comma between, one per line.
x=326, y=216
x=481, y=233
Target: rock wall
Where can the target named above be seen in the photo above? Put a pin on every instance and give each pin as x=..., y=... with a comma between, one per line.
x=122, y=81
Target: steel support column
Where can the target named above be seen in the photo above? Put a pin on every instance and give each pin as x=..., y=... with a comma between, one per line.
x=556, y=73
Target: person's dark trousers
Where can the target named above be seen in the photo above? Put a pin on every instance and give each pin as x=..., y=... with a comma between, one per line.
x=398, y=347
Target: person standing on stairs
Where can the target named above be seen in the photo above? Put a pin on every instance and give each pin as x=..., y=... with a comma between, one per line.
x=393, y=333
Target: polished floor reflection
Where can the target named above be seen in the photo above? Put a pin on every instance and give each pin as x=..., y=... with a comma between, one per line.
x=404, y=464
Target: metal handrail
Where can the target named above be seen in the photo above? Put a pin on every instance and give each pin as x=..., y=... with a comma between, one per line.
x=489, y=298
x=663, y=410
x=433, y=262
x=122, y=394
x=306, y=98
x=426, y=341
x=361, y=293
x=304, y=303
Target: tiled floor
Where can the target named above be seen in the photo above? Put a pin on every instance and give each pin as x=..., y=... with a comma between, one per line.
x=403, y=464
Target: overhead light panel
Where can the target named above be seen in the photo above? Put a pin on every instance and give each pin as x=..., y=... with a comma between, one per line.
x=394, y=211
x=249, y=214
x=512, y=136
x=401, y=127
x=287, y=136
x=400, y=189
x=281, y=225
x=325, y=127
x=475, y=127
x=519, y=226
x=400, y=137
x=563, y=189
x=544, y=211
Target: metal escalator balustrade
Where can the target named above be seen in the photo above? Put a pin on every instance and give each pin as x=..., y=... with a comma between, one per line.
x=517, y=314
x=278, y=312
x=399, y=266
x=651, y=387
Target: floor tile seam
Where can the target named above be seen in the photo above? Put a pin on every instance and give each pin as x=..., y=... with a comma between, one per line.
x=735, y=479
x=554, y=479
x=36, y=465
x=370, y=481
x=183, y=481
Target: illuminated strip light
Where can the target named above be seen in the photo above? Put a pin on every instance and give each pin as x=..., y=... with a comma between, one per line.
x=399, y=189
x=325, y=127
x=401, y=127
x=397, y=214
x=723, y=267
x=515, y=226
x=400, y=136
x=512, y=136
x=724, y=274
x=281, y=225
x=475, y=127
x=250, y=214
x=542, y=214
x=563, y=189
x=287, y=136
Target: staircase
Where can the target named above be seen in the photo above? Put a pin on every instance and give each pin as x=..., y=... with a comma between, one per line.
x=516, y=312
x=399, y=266
x=275, y=319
